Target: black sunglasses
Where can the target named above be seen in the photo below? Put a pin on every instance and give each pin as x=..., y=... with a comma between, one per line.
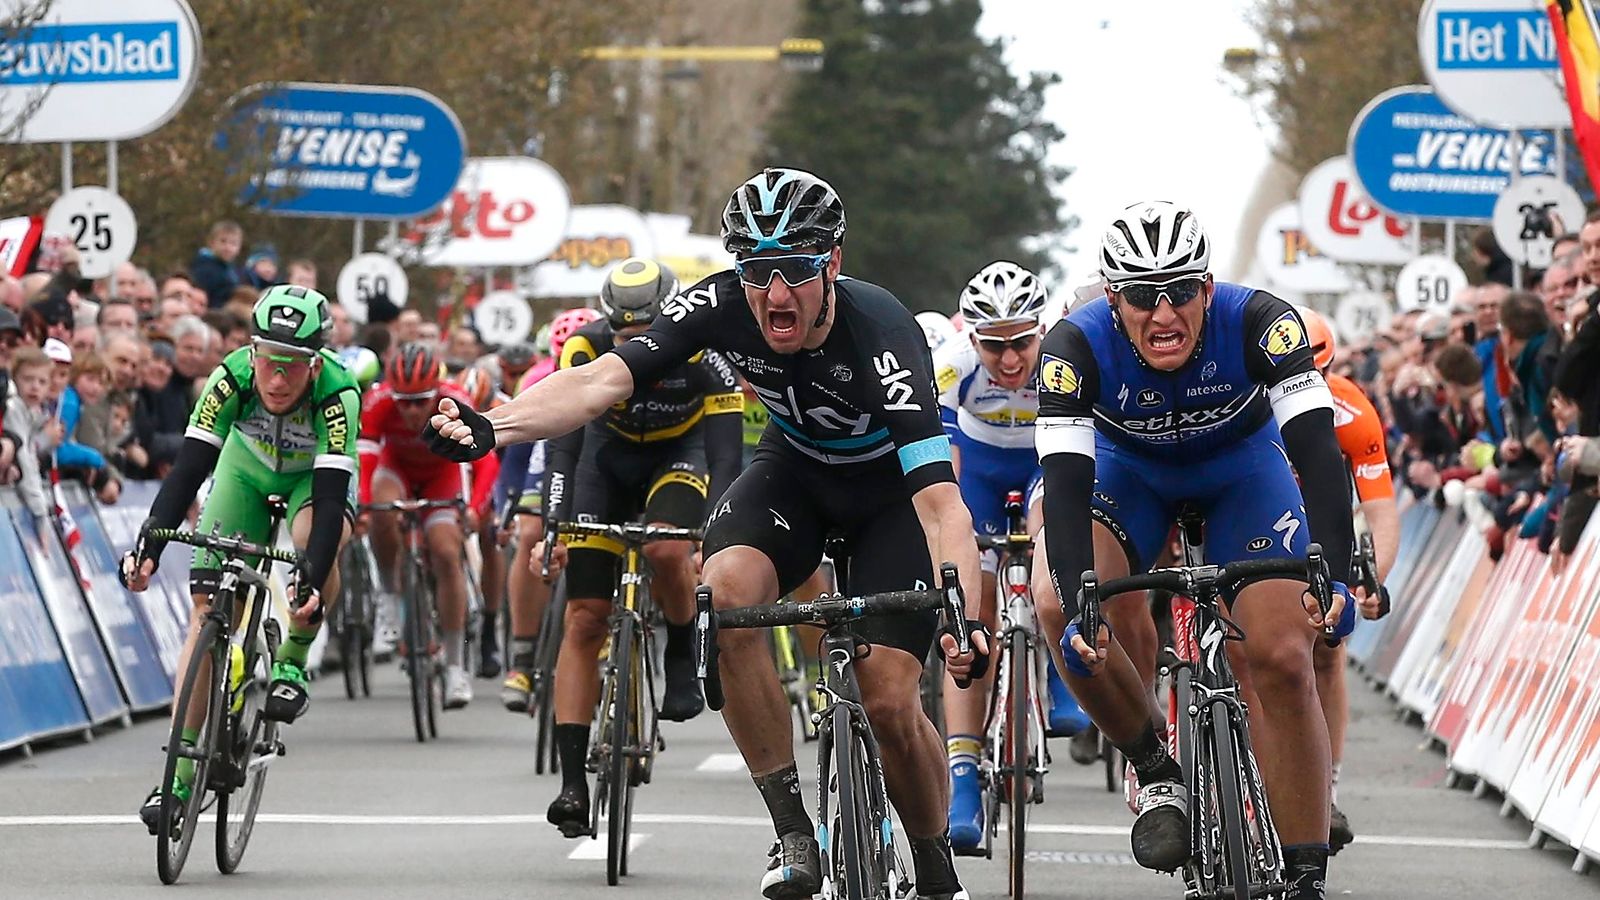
x=1016, y=343
x=1144, y=295
x=795, y=269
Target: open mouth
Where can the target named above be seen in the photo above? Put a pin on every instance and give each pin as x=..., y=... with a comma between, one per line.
x=783, y=322
x=1166, y=341
x=1012, y=372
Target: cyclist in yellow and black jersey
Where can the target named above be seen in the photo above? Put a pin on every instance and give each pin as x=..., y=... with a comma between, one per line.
x=652, y=452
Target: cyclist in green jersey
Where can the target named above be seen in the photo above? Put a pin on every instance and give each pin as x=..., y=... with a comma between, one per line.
x=276, y=417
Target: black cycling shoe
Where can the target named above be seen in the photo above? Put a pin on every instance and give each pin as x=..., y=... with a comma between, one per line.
x=935, y=869
x=150, y=812
x=794, y=868
x=683, y=700
x=489, y=653
x=1085, y=746
x=1339, y=833
x=570, y=811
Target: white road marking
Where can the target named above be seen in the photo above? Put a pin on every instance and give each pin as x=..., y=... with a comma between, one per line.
x=1378, y=840
x=594, y=848
x=722, y=762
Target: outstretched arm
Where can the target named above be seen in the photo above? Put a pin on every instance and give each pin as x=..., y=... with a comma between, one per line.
x=556, y=405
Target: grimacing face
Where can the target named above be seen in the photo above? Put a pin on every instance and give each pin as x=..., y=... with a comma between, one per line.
x=787, y=315
x=1166, y=336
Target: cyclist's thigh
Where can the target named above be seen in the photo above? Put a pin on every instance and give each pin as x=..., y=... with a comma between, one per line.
x=236, y=505
x=1255, y=510
x=987, y=473
x=595, y=497
x=388, y=485
x=889, y=552
x=1128, y=506
x=440, y=482
x=771, y=510
x=677, y=492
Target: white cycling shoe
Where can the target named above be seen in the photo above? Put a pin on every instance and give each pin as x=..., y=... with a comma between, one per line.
x=457, y=687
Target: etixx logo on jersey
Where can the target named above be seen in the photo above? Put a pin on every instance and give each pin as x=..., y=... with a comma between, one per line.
x=1283, y=337
x=1058, y=375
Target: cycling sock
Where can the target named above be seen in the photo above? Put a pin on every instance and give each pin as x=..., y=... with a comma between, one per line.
x=488, y=630
x=297, y=646
x=1333, y=784
x=933, y=866
x=455, y=647
x=680, y=639
x=1150, y=758
x=572, y=745
x=1305, y=871
x=523, y=653
x=963, y=748
x=185, y=767
x=781, y=791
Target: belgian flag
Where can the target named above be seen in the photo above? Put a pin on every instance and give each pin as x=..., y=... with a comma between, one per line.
x=1576, y=40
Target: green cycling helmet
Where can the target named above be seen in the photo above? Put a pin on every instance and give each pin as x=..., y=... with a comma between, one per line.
x=291, y=316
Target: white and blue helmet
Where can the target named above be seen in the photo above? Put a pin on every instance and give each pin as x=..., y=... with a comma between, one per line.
x=783, y=209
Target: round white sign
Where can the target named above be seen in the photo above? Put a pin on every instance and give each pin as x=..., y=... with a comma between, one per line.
x=1429, y=282
x=1531, y=213
x=1343, y=222
x=505, y=211
x=1494, y=61
x=1290, y=260
x=100, y=224
x=1362, y=314
x=503, y=317
x=366, y=276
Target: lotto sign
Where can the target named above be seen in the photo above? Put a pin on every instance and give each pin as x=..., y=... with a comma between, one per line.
x=1494, y=61
x=504, y=211
x=1341, y=220
x=597, y=238
x=367, y=276
x=344, y=150
x=1531, y=214
x=503, y=317
x=1416, y=157
x=1289, y=258
x=100, y=224
x=1429, y=282
x=94, y=70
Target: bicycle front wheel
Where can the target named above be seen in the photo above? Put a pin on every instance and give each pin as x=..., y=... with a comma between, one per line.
x=856, y=859
x=1018, y=759
x=1230, y=802
x=619, y=736
x=178, y=821
x=419, y=662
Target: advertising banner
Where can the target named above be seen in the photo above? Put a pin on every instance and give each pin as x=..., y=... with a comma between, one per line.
x=18, y=236
x=1414, y=600
x=38, y=694
x=1424, y=644
x=1290, y=260
x=597, y=238
x=1426, y=689
x=1417, y=522
x=1417, y=157
x=1341, y=221
x=1494, y=61
x=504, y=211
x=166, y=602
x=97, y=70
x=344, y=150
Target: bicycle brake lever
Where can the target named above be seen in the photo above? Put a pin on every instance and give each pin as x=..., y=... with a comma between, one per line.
x=1089, y=609
x=705, y=648
x=1321, y=584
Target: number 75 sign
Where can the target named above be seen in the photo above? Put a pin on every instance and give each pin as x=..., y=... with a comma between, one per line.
x=100, y=224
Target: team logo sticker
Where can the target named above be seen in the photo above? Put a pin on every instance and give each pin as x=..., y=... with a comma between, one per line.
x=945, y=379
x=1150, y=399
x=1283, y=337
x=1258, y=544
x=1059, y=376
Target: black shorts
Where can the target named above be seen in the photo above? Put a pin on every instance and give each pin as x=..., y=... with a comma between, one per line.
x=616, y=482
x=785, y=505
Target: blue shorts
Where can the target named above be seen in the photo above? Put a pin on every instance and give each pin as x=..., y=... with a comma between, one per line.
x=1246, y=493
x=987, y=473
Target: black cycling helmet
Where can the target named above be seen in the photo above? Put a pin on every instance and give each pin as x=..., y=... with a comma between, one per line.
x=783, y=209
x=634, y=291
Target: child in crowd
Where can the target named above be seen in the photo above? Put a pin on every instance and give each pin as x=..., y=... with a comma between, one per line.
x=90, y=381
x=26, y=419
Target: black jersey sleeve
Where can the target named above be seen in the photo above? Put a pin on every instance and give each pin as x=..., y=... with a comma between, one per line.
x=688, y=323
x=893, y=352
x=723, y=421
x=1064, y=434
x=1278, y=355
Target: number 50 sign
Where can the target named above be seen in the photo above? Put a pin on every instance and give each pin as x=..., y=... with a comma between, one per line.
x=100, y=224
x=367, y=276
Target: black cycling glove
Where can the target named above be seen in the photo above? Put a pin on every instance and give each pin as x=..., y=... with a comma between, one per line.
x=455, y=451
x=980, y=661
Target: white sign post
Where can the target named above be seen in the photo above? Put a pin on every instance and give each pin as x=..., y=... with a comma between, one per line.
x=1494, y=61
x=1342, y=221
x=100, y=224
x=366, y=276
x=1429, y=283
x=96, y=70
x=1531, y=213
x=503, y=317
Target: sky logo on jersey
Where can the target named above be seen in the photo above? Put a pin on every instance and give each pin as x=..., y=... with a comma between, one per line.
x=1058, y=376
x=894, y=379
x=678, y=307
x=1283, y=337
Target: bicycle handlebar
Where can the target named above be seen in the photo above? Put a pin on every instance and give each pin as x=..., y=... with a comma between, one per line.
x=414, y=506
x=234, y=547
x=824, y=612
x=628, y=533
x=1005, y=542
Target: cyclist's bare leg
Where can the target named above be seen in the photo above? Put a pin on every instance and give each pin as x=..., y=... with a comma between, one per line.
x=757, y=711
x=964, y=709
x=444, y=540
x=578, y=665
x=384, y=528
x=493, y=578
x=914, y=768
x=1289, y=734
x=1331, y=691
x=820, y=582
x=526, y=591
x=672, y=577
x=195, y=716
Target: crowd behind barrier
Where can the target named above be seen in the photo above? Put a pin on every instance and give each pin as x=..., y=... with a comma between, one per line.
x=1499, y=661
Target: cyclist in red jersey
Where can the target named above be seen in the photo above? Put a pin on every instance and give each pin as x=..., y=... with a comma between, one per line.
x=396, y=464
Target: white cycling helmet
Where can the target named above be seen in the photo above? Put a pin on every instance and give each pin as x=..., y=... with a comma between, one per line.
x=1154, y=239
x=935, y=328
x=1002, y=293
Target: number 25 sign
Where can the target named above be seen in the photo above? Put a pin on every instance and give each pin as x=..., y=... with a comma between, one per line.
x=100, y=224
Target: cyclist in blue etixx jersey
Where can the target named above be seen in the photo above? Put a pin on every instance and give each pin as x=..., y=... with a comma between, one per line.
x=1173, y=390
x=988, y=400
x=854, y=445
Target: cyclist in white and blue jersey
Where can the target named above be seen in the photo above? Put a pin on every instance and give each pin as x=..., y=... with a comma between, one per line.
x=988, y=400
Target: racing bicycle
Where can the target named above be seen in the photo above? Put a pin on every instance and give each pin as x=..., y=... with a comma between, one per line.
x=353, y=622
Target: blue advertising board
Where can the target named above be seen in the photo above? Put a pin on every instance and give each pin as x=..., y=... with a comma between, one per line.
x=38, y=694
x=1416, y=157
x=121, y=617
x=166, y=605
x=344, y=150
x=57, y=583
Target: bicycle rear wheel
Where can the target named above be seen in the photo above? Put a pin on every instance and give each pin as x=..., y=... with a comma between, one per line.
x=542, y=704
x=253, y=749
x=1018, y=758
x=1230, y=806
x=178, y=821
x=419, y=662
x=623, y=647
